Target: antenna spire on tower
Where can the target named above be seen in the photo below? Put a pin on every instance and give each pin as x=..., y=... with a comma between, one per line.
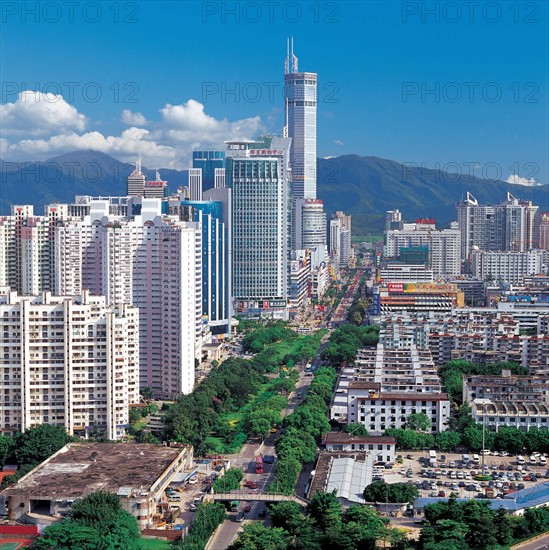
x=138, y=164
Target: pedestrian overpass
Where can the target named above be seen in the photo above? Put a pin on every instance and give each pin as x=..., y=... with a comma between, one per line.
x=256, y=497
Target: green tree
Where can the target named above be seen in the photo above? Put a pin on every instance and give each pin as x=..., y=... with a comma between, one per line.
x=355, y=428
x=472, y=438
x=502, y=527
x=256, y=536
x=448, y=441
x=325, y=510
x=96, y=521
x=418, y=422
x=379, y=491
x=6, y=449
x=38, y=443
x=229, y=482
x=405, y=439
x=509, y=439
x=282, y=514
x=67, y=535
x=206, y=519
x=146, y=392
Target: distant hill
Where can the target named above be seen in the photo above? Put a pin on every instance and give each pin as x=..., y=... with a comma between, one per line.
x=60, y=178
x=368, y=186
x=363, y=186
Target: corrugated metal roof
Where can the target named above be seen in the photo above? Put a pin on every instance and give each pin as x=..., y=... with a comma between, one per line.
x=349, y=478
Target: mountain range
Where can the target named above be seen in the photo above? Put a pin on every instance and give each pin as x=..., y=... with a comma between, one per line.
x=362, y=186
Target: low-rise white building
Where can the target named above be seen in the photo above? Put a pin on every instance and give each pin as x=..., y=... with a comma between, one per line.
x=381, y=448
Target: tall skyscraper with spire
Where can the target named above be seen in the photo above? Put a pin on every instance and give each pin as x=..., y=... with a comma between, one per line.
x=300, y=95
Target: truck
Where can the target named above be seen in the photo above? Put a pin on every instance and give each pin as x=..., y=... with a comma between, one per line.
x=259, y=465
x=433, y=458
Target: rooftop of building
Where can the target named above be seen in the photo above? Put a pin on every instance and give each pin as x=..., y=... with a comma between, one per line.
x=347, y=438
x=82, y=468
x=324, y=466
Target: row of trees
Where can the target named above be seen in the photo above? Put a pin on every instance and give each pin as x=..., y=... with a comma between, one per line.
x=308, y=422
x=205, y=522
x=324, y=526
x=473, y=525
x=96, y=522
x=379, y=491
x=346, y=340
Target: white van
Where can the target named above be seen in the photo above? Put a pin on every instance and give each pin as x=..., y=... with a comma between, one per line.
x=465, y=459
x=542, y=460
x=476, y=459
x=520, y=460
x=533, y=460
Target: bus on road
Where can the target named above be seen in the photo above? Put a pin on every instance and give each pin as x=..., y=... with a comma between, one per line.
x=258, y=465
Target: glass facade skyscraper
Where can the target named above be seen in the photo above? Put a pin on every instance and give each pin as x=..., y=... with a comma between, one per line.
x=257, y=173
x=208, y=161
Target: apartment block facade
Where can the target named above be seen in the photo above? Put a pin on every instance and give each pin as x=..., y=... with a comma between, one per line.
x=67, y=361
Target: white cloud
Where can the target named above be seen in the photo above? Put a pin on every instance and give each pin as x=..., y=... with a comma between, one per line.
x=167, y=143
x=188, y=122
x=39, y=114
x=518, y=180
x=133, y=119
x=338, y=142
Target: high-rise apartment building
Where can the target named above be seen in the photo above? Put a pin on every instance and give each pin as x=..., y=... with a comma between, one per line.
x=544, y=231
x=310, y=221
x=67, y=361
x=257, y=173
x=209, y=162
x=340, y=238
x=148, y=260
x=443, y=245
x=509, y=226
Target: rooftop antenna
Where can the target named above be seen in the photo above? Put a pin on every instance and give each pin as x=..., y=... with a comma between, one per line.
x=157, y=175
x=294, y=58
x=290, y=63
x=138, y=164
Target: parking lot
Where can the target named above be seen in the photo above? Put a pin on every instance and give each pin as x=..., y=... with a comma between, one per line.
x=452, y=475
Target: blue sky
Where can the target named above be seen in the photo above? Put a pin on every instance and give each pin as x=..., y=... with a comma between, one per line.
x=486, y=71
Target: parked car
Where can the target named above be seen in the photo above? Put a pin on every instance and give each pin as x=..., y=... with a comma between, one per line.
x=193, y=481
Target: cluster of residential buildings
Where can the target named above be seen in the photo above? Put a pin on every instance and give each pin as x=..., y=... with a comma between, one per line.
x=505, y=242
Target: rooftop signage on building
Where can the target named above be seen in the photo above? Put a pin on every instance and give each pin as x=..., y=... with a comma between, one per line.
x=421, y=287
x=266, y=152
